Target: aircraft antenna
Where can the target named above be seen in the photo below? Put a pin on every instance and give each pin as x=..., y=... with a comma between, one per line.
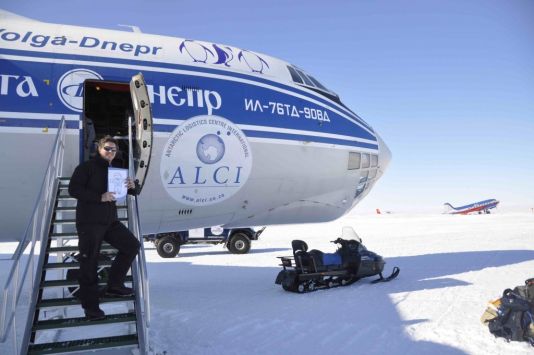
x=134, y=29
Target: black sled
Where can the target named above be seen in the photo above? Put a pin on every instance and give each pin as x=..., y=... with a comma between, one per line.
x=308, y=271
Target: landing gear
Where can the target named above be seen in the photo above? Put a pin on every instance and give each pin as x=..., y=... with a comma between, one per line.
x=168, y=247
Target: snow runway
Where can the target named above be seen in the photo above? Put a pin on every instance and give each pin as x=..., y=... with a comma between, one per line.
x=208, y=301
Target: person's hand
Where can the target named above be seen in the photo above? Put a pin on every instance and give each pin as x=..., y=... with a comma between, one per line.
x=108, y=197
x=130, y=184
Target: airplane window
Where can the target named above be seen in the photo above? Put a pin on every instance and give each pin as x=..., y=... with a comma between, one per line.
x=372, y=174
x=354, y=160
x=306, y=80
x=374, y=160
x=365, y=160
x=299, y=77
x=295, y=76
x=318, y=84
x=362, y=184
x=363, y=177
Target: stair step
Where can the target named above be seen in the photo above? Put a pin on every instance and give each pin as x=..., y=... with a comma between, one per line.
x=83, y=321
x=74, y=248
x=73, y=301
x=72, y=221
x=71, y=283
x=83, y=345
x=69, y=265
x=65, y=198
x=64, y=221
x=73, y=208
x=69, y=235
x=66, y=209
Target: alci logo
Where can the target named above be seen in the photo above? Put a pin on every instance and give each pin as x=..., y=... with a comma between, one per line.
x=206, y=160
x=70, y=87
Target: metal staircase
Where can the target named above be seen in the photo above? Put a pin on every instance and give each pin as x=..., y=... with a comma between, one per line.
x=55, y=321
x=57, y=287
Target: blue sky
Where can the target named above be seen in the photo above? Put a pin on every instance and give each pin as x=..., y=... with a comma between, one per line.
x=449, y=85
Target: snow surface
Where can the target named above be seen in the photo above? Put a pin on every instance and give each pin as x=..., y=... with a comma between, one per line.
x=208, y=301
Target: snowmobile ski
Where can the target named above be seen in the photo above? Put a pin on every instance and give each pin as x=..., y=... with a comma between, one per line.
x=393, y=275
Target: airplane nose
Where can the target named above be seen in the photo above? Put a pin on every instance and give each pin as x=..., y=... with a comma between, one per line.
x=384, y=155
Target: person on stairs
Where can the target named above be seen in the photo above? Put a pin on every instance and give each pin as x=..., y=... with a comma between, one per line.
x=97, y=221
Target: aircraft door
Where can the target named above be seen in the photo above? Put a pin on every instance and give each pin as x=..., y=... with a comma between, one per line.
x=142, y=133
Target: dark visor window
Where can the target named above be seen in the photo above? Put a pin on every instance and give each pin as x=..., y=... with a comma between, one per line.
x=318, y=84
x=295, y=76
x=306, y=80
x=301, y=78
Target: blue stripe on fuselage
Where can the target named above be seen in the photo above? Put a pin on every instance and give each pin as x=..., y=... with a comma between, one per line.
x=45, y=123
x=234, y=95
x=298, y=137
x=486, y=203
x=285, y=136
x=100, y=60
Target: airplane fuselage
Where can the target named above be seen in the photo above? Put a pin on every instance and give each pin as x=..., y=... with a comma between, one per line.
x=237, y=139
x=477, y=207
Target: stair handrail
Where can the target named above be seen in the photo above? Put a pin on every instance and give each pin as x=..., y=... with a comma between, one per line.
x=139, y=271
x=37, y=228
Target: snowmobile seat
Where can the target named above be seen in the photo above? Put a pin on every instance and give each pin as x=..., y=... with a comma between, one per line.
x=303, y=261
x=332, y=259
x=317, y=257
x=302, y=258
x=325, y=261
x=299, y=245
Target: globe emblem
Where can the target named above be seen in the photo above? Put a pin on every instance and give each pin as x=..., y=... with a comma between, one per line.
x=210, y=149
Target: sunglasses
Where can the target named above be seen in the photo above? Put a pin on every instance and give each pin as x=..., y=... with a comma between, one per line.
x=110, y=149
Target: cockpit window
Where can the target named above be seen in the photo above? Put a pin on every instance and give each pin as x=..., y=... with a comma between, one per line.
x=374, y=160
x=300, y=77
x=295, y=76
x=365, y=160
x=318, y=84
x=305, y=78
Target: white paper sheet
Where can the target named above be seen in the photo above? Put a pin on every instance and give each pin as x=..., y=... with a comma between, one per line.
x=117, y=182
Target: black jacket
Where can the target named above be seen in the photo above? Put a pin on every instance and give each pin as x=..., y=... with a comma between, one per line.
x=87, y=184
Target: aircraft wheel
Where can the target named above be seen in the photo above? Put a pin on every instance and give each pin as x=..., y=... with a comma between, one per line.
x=239, y=244
x=167, y=247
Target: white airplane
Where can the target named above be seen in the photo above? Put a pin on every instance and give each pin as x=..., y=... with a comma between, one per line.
x=230, y=137
x=476, y=207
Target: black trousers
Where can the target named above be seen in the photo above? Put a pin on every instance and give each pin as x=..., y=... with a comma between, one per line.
x=90, y=238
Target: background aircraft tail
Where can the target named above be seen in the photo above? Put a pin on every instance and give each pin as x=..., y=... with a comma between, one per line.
x=448, y=207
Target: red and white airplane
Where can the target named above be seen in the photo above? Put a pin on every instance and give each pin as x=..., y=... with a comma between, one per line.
x=477, y=207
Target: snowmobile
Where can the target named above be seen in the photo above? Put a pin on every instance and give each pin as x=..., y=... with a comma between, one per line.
x=308, y=271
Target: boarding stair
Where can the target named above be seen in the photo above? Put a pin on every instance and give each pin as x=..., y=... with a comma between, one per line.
x=54, y=319
x=62, y=308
